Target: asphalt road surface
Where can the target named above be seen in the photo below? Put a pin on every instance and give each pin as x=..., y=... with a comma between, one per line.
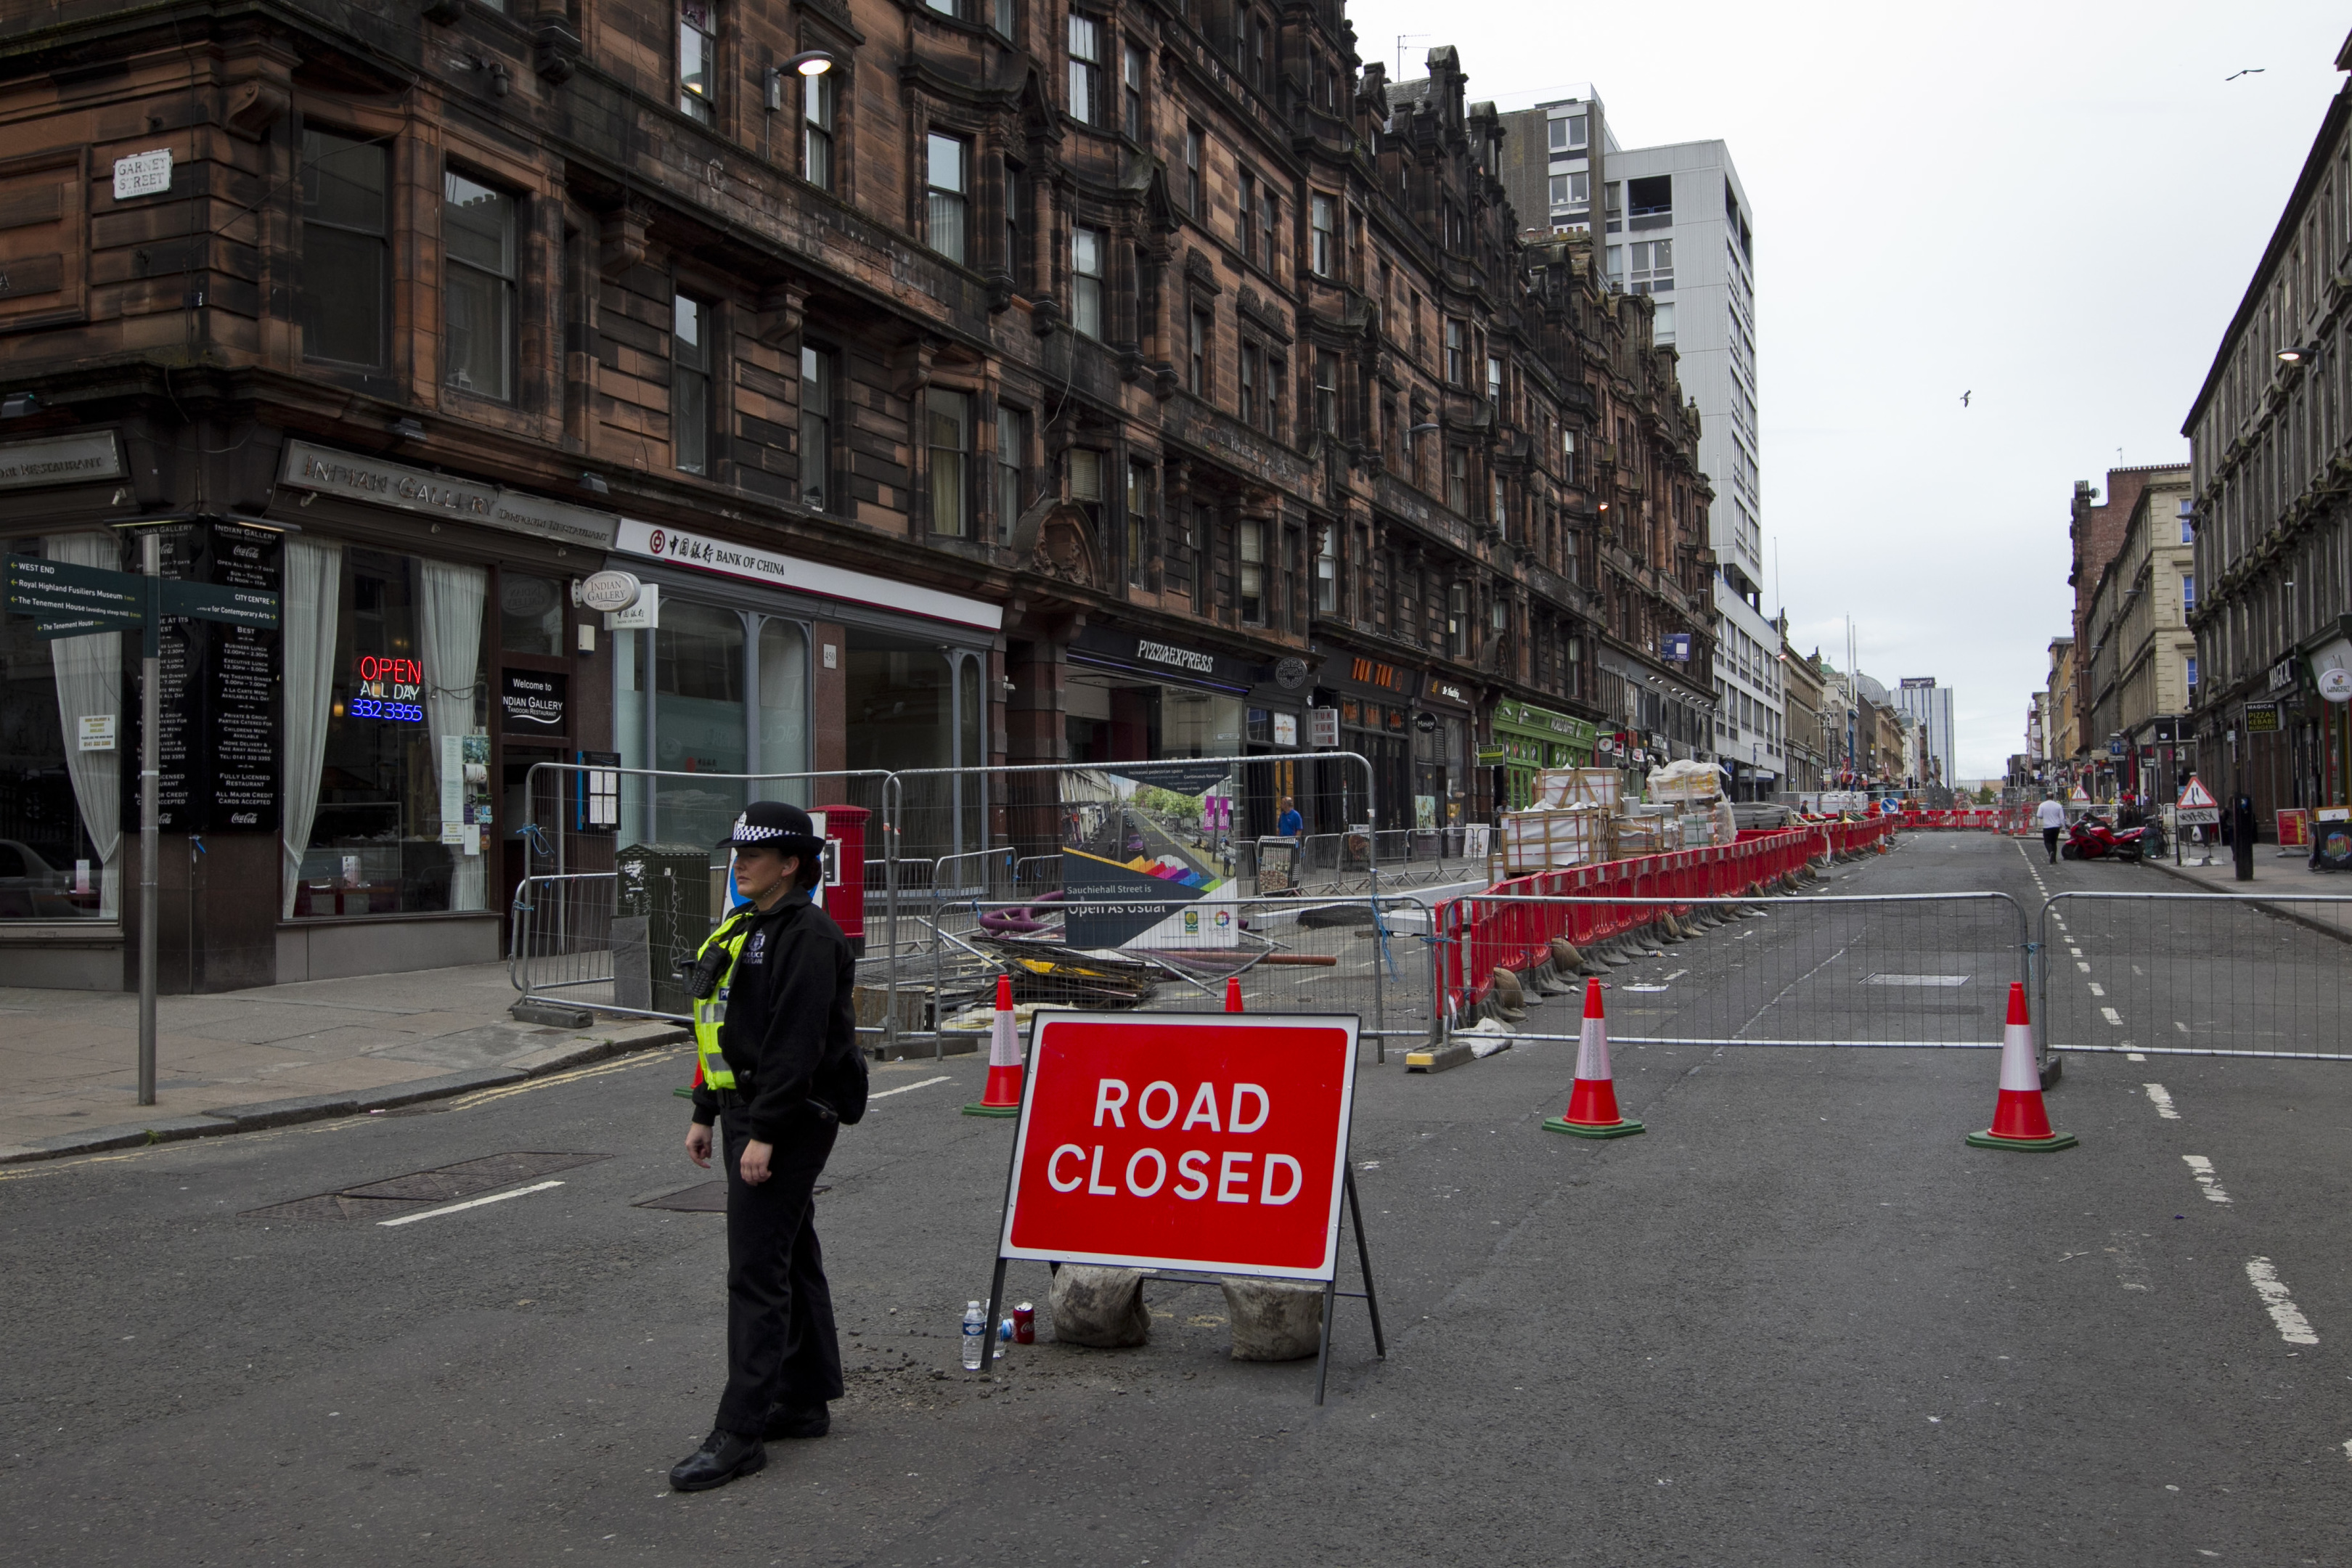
x=1799, y=1321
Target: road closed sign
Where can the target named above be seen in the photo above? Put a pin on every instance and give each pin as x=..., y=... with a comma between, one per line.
x=1208, y=1141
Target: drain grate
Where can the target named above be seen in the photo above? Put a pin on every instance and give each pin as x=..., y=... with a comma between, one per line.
x=421, y=1189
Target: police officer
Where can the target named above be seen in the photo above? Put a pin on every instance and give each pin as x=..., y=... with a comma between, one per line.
x=775, y=1031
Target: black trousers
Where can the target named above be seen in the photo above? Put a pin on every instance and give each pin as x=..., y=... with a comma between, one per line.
x=2050, y=842
x=781, y=1353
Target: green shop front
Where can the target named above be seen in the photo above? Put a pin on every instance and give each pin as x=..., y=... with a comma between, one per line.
x=1527, y=739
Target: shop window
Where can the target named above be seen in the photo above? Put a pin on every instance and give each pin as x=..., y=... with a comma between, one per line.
x=1085, y=281
x=346, y=268
x=947, y=176
x=690, y=384
x=1012, y=464
x=951, y=451
x=817, y=98
x=783, y=698
x=698, y=720
x=60, y=806
x=390, y=734
x=817, y=428
x=531, y=615
x=477, y=287
x=697, y=57
x=1253, y=571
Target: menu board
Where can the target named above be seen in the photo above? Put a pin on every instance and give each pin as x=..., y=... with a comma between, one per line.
x=217, y=739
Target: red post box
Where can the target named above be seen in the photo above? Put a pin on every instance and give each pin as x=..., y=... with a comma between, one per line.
x=843, y=892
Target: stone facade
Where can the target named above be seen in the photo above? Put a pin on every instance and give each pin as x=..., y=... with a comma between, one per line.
x=2270, y=442
x=1153, y=324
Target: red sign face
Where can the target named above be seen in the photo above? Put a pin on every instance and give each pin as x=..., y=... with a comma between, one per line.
x=1212, y=1142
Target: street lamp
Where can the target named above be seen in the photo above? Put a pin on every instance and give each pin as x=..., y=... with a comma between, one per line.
x=808, y=62
x=2295, y=354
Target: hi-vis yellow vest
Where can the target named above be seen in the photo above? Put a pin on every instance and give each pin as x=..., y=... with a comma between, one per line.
x=712, y=1012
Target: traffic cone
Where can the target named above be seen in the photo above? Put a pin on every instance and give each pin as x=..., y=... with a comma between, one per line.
x=1592, y=1104
x=2018, y=1120
x=1002, y=1095
x=1233, y=992
x=693, y=1084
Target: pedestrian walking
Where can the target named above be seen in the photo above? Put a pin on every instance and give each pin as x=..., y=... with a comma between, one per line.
x=2052, y=818
x=775, y=1030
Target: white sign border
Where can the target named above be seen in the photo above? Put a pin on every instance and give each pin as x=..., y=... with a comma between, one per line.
x=1352, y=1024
x=792, y=572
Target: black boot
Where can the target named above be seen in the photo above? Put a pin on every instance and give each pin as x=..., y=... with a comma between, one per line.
x=723, y=1456
x=811, y=1420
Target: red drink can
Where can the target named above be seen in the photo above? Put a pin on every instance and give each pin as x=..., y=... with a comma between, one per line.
x=1025, y=1325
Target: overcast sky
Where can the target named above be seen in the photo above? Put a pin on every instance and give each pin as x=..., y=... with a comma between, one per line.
x=2055, y=207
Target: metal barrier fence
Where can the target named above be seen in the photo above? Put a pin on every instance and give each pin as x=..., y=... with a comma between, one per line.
x=1768, y=968
x=1613, y=897
x=2196, y=975
x=1306, y=955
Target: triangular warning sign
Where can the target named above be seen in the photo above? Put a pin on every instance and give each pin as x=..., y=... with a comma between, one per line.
x=2196, y=795
x=2081, y=795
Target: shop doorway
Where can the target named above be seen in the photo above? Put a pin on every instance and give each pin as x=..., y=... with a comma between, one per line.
x=522, y=801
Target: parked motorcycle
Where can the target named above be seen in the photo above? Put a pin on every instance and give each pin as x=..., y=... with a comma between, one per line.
x=2096, y=839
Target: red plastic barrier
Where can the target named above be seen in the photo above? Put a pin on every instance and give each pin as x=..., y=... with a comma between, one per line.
x=1478, y=939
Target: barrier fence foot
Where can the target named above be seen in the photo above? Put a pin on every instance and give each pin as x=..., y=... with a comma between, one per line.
x=1988, y=1140
x=984, y=1109
x=1613, y=1129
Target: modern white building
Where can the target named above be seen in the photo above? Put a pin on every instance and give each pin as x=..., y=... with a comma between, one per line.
x=1674, y=223
x=1931, y=704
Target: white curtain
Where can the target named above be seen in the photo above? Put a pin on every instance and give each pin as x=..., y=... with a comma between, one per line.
x=90, y=682
x=452, y=616
x=314, y=575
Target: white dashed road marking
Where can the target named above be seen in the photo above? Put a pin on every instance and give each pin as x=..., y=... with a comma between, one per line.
x=2293, y=1326
x=2202, y=1169
x=2161, y=1100
x=469, y=1204
x=2112, y=1017
x=904, y=1088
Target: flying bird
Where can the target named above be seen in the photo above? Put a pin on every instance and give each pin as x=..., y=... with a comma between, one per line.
x=1966, y=396
x=2250, y=70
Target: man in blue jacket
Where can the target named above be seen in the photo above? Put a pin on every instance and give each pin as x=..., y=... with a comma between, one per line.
x=776, y=1029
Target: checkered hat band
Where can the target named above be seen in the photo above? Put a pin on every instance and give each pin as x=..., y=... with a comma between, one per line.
x=745, y=832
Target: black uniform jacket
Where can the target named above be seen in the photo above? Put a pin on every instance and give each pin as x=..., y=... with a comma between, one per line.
x=791, y=1012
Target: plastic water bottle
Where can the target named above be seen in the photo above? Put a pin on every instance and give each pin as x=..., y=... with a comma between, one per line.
x=975, y=1325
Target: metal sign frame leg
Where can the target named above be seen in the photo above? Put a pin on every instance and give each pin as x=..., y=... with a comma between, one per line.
x=1355, y=1209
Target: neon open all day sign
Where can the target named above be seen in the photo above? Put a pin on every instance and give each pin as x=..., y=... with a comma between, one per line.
x=389, y=688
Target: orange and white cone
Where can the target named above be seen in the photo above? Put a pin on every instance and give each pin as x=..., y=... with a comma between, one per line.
x=1002, y=1095
x=1233, y=992
x=2018, y=1121
x=1593, y=1104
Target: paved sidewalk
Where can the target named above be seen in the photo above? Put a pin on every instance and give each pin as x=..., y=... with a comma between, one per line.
x=239, y=1060
x=2283, y=877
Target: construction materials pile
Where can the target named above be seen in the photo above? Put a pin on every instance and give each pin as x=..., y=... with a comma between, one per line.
x=1579, y=817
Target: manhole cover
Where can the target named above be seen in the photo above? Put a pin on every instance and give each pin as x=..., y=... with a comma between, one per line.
x=1915, y=980
x=421, y=1189
x=703, y=1198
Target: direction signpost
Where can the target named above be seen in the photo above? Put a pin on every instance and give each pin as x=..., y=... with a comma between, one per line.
x=66, y=600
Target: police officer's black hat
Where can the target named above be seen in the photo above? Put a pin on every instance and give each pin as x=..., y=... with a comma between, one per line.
x=776, y=824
